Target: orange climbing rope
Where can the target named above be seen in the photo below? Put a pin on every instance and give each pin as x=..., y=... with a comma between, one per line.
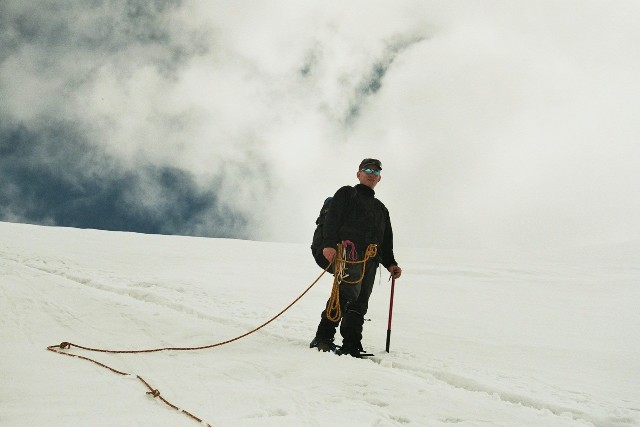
x=154, y=392
x=334, y=313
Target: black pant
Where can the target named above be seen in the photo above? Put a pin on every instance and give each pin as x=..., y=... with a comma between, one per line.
x=354, y=302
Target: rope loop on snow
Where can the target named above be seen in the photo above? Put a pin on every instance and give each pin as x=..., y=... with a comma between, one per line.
x=66, y=345
x=333, y=312
x=154, y=393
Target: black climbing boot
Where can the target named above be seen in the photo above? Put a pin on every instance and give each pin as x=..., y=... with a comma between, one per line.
x=323, y=340
x=351, y=350
x=323, y=344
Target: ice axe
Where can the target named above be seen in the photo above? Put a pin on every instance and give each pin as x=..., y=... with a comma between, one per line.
x=393, y=285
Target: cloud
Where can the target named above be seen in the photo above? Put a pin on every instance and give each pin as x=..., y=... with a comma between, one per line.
x=97, y=129
x=372, y=82
x=50, y=175
x=509, y=129
x=499, y=125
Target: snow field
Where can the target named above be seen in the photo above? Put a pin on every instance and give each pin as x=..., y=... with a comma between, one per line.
x=476, y=340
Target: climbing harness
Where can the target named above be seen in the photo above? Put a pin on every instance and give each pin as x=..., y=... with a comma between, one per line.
x=344, y=258
x=154, y=392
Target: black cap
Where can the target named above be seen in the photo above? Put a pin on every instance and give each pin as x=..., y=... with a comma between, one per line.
x=370, y=162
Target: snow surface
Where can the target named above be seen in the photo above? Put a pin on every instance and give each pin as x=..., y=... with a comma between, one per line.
x=476, y=341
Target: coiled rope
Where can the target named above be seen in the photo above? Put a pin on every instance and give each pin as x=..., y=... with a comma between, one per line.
x=333, y=312
x=65, y=345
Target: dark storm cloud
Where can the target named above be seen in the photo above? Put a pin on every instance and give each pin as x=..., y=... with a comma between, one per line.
x=50, y=175
x=60, y=162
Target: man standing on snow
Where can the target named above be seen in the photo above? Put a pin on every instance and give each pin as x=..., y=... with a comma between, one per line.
x=357, y=216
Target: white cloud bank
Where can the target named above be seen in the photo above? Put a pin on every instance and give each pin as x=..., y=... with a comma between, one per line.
x=498, y=124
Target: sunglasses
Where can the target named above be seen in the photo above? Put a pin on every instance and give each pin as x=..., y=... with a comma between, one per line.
x=369, y=171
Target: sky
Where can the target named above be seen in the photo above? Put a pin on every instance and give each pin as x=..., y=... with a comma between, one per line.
x=499, y=125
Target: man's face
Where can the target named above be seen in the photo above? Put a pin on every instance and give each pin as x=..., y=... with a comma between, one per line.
x=369, y=179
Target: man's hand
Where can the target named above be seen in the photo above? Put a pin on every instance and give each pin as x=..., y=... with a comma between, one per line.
x=395, y=271
x=329, y=253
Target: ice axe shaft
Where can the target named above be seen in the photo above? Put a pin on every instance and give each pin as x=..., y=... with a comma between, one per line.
x=393, y=285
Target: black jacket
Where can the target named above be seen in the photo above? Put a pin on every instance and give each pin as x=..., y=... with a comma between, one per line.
x=355, y=214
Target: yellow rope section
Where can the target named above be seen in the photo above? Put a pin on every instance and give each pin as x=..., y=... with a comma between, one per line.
x=334, y=313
